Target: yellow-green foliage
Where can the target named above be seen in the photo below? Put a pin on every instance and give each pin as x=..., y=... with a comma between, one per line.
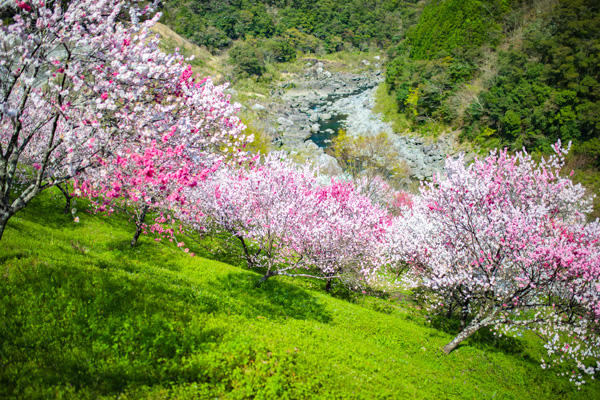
x=262, y=142
x=369, y=156
x=203, y=63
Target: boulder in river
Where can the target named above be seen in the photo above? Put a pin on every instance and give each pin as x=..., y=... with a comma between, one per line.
x=315, y=128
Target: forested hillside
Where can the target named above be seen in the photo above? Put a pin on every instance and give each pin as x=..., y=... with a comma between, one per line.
x=508, y=73
x=328, y=25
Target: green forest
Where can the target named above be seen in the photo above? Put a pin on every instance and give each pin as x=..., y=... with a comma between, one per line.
x=544, y=83
x=329, y=25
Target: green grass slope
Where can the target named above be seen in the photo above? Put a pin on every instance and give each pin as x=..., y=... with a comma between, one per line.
x=84, y=316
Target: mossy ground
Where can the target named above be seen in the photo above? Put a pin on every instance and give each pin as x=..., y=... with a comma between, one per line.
x=82, y=315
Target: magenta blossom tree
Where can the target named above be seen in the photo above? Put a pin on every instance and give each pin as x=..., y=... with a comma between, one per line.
x=506, y=240
x=79, y=87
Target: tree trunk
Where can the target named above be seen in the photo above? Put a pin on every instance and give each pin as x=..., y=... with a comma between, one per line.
x=265, y=277
x=4, y=217
x=464, y=314
x=247, y=254
x=139, y=225
x=65, y=192
x=473, y=327
x=328, y=285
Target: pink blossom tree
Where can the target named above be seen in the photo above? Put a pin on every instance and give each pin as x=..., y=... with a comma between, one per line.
x=260, y=207
x=80, y=88
x=289, y=224
x=184, y=145
x=342, y=234
x=506, y=240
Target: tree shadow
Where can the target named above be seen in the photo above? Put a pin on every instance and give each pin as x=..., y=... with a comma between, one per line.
x=274, y=299
x=44, y=211
x=217, y=247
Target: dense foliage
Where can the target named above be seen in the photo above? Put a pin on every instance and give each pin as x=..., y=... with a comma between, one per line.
x=441, y=52
x=533, y=67
x=456, y=27
x=549, y=89
x=330, y=24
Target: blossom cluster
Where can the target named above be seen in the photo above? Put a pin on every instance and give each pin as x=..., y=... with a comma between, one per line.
x=89, y=95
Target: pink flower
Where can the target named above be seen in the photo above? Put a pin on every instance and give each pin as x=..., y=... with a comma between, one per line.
x=104, y=96
x=24, y=6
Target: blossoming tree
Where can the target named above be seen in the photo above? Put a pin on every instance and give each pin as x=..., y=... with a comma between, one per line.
x=178, y=149
x=343, y=233
x=288, y=223
x=79, y=87
x=506, y=240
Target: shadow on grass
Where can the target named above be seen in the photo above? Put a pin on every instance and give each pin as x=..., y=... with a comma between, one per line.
x=218, y=247
x=83, y=320
x=273, y=300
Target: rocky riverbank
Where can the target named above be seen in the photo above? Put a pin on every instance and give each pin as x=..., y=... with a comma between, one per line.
x=307, y=111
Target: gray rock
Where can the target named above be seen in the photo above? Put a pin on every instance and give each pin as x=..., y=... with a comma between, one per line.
x=314, y=117
x=310, y=145
x=258, y=107
x=328, y=165
x=284, y=121
x=325, y=117
x=315, y=128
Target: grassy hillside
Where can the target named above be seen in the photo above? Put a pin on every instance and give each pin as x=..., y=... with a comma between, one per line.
x=85, y=316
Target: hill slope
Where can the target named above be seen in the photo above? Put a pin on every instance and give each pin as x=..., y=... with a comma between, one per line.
x=84, y=316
